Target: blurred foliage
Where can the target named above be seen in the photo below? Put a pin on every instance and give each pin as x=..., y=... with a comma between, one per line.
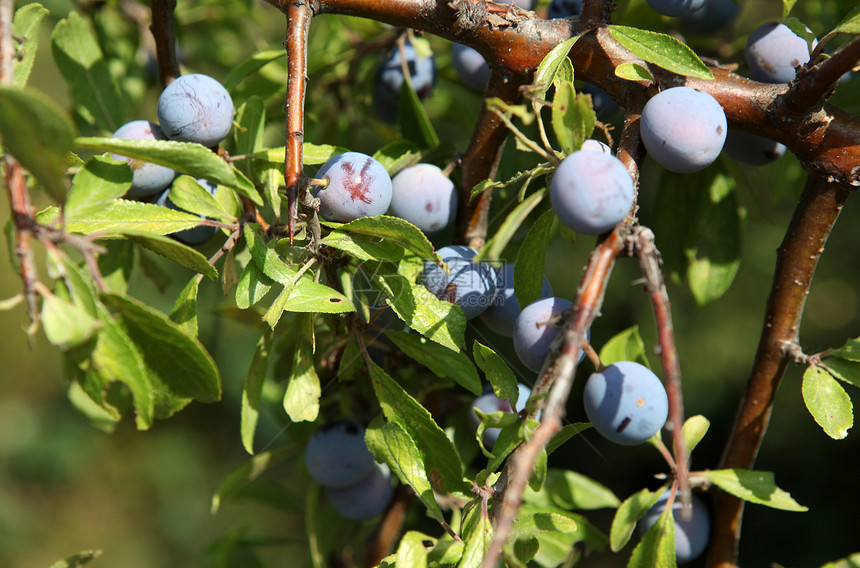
x=143, y=498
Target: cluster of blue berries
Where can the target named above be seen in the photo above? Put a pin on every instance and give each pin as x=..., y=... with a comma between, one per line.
x=691, y=534
x=357, y=487
x=193, y=108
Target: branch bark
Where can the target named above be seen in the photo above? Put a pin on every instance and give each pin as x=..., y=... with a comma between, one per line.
x=797, y=257
x=165, y=40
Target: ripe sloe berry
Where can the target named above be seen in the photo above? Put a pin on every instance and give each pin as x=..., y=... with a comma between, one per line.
x=424, y=196
x=675, y=8
x=471, y=67
x=536, y=328
x=626, y=403
x=751, y=149
x=691, y=535
x=336, y=455
x=683, y=129
x=148, y=179
x=469, y=285
x=502, y=314
x=390, y=77
x=358, y=186
x=195, y=108
x=591, y=192
x=366, y=498
x=773, y=51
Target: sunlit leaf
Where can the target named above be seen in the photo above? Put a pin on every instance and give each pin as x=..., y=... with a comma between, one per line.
x=827, y=402
x=662, y=50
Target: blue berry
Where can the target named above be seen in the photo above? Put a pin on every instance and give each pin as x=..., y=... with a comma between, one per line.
x=773, y=51
x=591, y=145
x=675, y=8
x=563, y=9
x=358, y=186
x=626, y=403
x=591, y=192
x=336, y=455
x=713, y=16
x=366, y=498
x=390, y=77
x=148, y=179
x=469, y=285
x=501, y=315
x=691, y=535
x=751, y=149
x=683, y=129
x=536, y=328
x=195, y=108
x=424, y=196
x=471, y=67
x=195, y=235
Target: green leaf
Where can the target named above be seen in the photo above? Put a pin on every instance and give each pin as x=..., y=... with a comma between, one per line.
x=184, y=310
x=657, y=547
x=694, y=429
x=121, y=215
x=310, y=296
x=66, y=325
x=77, y=560
x=116, y=358
x=391, y=444
x=190, y=158
x=249, y=472
x=444, y=362
x=411, y=551
x=549, y=67
x=850, y=24
x=568, y=490
x=26, y=27
x=633, y=72
x=443, y=464
x=250, y=66
x=567, y=432
x=302, y=399
x=534, y=522
x=101, y=180
x=81, y=62
x=698, y=227
x=625, y=346
x=557, y=547
x=477, y=538
x=252, y=390
x=252, y=286
x=628, y=514
x=363, y=247
x=397, y=155
x=497, y=244
x=188, y=195
x=573, y=117
x=433, y=318
x=248, y=136
x=662, y=50
x=787, y=5
x=528, y=277
x=497, y=372
x=38, y=133
x=850, y=351
x=852, y=561
x=753, y=486
x=266, y=259
x=843, y=369
x=391, y=230
x=179, y=362
x=827, y=402
x=412, y=119
x=169, y=248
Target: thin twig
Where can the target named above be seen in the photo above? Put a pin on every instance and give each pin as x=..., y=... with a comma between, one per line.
x=813, y=84
x=165, y=40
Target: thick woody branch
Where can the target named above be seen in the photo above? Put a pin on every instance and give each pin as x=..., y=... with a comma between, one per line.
x=165, y=40
x=814, y=84
x=299, y=17
x=797, y=257
x=479, y=163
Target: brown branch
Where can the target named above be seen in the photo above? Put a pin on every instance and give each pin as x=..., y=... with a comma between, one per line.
x=650, y=262
x=165, y=40
x=813, y=84
x=797, y=257
x=556, y=377
x=480, y=162
x=299, y=15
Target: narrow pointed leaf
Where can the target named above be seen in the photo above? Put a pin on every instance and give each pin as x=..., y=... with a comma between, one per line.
x=528, y=277
x=444, y=362
x=187, y=194
x=26, y=26
x=184, y=310
x=753, y=486
x=497, y=372
x=101, y=180
x=252, y=390
x=662, y=50
x=302, y=399
x=628, y=514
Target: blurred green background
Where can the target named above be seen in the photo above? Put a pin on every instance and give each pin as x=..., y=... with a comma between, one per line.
x=143, y=498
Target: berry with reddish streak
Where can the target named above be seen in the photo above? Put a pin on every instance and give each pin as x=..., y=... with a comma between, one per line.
x=357, y=186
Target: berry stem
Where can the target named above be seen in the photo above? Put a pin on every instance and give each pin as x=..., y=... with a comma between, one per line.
x=165, y=40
